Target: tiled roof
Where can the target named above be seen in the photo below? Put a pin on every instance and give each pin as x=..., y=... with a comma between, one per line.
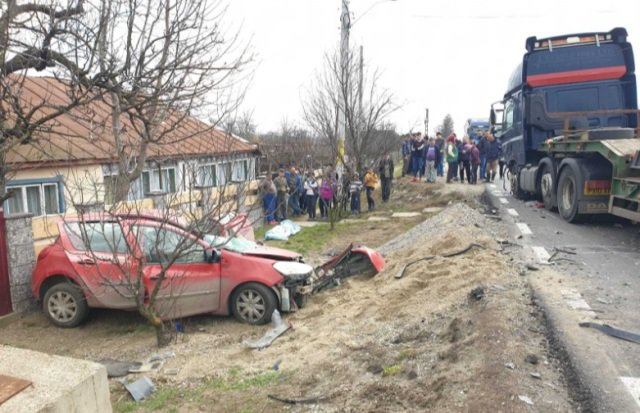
x=84, y=134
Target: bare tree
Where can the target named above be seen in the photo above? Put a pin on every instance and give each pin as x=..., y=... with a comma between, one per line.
x=342, y=86
x=167, y=60
x=41, y=36
x=446, y=128
x=242, y=125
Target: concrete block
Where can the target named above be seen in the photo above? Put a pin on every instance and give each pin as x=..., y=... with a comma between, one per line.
x=60, y=384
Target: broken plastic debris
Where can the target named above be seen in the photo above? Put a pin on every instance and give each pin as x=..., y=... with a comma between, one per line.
x=140, y=388
x=278, y=327
x=526, y=399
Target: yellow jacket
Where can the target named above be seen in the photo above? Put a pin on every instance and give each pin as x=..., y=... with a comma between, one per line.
x=370, y=179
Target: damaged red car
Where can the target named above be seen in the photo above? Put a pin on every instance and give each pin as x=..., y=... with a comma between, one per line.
x=108, y=261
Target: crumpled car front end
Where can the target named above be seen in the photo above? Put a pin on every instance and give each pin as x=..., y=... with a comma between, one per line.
x=297, y=285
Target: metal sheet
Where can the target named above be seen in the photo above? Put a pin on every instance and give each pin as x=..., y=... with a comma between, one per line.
x=623, y=147
x=10, y=386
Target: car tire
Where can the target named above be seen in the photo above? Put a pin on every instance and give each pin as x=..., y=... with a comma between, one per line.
x=546, y=189
x=65, y=305
x=253, y=303
x=568, y=195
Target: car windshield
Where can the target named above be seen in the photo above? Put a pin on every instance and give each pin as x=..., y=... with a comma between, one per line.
x=234, y=244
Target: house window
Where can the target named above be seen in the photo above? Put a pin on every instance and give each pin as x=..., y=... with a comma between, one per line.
x=224, y=173
x=241, y=170
x=207, y=175
x=159, y=180
x=37, y=199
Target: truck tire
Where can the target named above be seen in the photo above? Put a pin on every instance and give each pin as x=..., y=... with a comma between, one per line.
x=547, y=182
x=568, y=187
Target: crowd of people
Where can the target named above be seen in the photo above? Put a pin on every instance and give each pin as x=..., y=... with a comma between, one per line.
x=294, y=192
x=473, y=159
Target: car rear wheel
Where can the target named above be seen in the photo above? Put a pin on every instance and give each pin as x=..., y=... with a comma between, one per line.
x=253, y=303
x=65, y=305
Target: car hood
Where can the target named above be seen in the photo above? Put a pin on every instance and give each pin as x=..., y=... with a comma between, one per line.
x=273, y=253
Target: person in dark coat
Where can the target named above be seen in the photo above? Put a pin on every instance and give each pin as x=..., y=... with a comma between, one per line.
x=475, y=163
x=385, y=171
x=417, y=158
x=494, y=151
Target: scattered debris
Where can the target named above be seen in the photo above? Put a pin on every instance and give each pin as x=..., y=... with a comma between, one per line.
x=613, y=332
x=147, y=366
x=602, y=301
x=525, y=399
x=532, y=267
x=400, y=273
x=117, y=368
x=312, y=400
x=276, y=365
x=140, y=389
x=476, y=294
x=535, y=204
x=536, y=375
x=510, y=365
x=531, y=359
x=278, y=327
x=171, y=372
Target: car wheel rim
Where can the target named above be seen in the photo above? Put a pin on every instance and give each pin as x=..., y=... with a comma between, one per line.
x=62, y=306
x=546, y=185
x=567, y=195
x=251, y=305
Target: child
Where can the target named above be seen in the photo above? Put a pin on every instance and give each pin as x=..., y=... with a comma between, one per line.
x=370, y=181
x=354, y=189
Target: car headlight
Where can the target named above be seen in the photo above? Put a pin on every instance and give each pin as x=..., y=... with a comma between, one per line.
x=293, y=270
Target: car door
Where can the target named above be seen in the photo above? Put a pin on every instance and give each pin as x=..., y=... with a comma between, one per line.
x=99, y=254
x=189, y=284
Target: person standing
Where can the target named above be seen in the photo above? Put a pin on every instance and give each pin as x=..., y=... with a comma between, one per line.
x=482, y=149
x=452, y=157
x=432, y=158
x=493, y=155
x=294, y=183
x=465, y=160
x=417, y=158
x=282, y=188
x=311, y=194
x=326, y=195
x=406, y=156
x=355, y=188
x=475, y=163
x=440, y=145
x=370, y=181
x=386, y=176
x=268, y=191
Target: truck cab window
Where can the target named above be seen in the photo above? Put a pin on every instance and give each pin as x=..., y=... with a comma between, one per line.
x=508, y=115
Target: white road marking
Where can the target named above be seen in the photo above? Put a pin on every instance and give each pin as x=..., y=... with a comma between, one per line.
x=633, y=385
x=504, y=200
x=524, y=228
x=513, y=212
x=492, y=186
x=542, y=254
x=575, y=301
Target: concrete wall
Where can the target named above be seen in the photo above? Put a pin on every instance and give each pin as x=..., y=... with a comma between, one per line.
x=60, y=384
x=21, y=261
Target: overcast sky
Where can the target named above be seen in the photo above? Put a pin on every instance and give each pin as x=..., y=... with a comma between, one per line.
x=449, y=56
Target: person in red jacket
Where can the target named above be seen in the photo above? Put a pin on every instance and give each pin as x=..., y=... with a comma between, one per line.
x=475, y=162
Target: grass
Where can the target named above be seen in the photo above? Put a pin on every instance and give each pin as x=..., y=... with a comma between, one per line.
x=391, y=370
x=309, y=239
x=167, y=398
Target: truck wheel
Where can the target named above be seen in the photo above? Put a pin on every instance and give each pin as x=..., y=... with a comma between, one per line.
x=546, y=189
x=568, y=195
x=65, y=305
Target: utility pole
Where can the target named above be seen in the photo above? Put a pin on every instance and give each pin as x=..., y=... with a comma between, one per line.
x=345, y=25
x=426, y=123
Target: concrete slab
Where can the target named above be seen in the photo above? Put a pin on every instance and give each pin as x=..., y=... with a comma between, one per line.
x=307, y=224
x=405, y=214
x=377, y=219
x=431, y=210
x=60, y=384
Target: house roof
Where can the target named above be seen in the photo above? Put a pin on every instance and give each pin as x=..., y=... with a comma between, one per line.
x=84, y=135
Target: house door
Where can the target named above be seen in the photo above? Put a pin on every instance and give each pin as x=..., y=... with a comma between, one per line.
x=5, y=291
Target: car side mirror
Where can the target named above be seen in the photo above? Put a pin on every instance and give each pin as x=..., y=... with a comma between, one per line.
x=211, y=256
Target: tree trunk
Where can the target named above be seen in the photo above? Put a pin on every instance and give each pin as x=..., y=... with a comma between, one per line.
x=164, y=334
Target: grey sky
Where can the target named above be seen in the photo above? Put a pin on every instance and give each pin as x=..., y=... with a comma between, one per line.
x=450, y=56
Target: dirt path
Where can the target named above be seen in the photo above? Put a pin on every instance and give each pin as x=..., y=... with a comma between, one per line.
x=424, y=342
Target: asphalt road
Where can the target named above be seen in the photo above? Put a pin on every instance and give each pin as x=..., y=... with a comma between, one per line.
x=596, y=277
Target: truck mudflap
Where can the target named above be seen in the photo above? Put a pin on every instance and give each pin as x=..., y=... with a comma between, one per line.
x=352, y=261
x=594, y=205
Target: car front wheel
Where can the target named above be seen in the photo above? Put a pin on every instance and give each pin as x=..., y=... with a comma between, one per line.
x=65, y=305
x=253, y=303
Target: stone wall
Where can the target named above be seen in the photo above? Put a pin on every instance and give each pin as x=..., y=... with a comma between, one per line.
x=21, y=261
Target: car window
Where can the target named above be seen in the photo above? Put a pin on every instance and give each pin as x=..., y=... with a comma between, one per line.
x=97, y=237
x=160, y=245
x=235, y=244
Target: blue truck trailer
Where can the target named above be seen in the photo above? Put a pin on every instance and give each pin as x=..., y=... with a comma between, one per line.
x=568, y=125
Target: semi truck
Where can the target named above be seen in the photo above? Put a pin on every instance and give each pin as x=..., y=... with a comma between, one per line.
x=472, y=126
x=568, y=125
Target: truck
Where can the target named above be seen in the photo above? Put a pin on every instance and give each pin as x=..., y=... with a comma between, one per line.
x=568, y=125
x=472, y=126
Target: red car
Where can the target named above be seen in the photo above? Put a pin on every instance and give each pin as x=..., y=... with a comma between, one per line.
x=107, y=261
